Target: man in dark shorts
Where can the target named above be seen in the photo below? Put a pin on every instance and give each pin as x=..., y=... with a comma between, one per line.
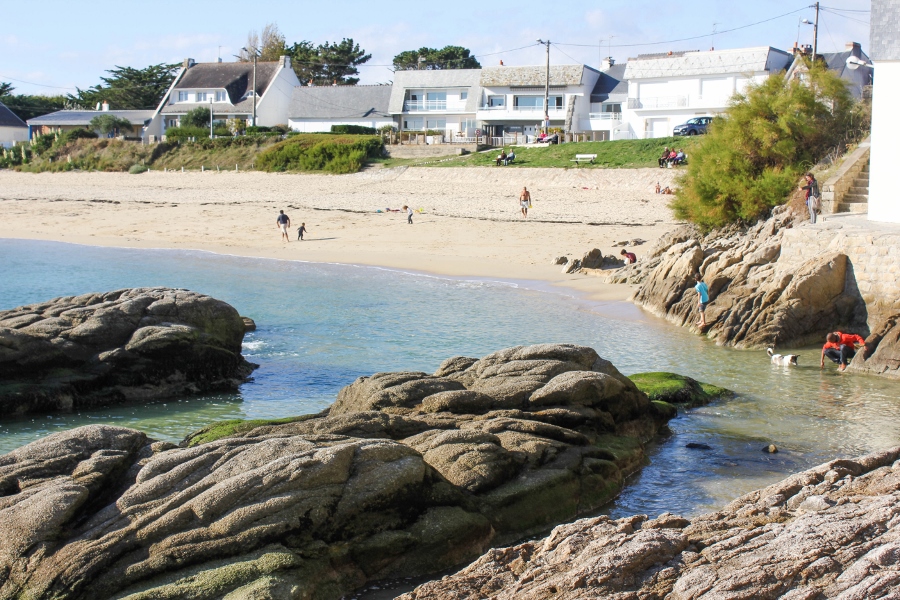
x=840, y=348
x=283, y=222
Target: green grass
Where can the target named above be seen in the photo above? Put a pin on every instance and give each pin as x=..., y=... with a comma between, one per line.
x=618, y=154
x=224, y=429
x=677, y=389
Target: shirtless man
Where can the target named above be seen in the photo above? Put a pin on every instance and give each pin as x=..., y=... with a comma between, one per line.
x=283, y=222
x=524, y=201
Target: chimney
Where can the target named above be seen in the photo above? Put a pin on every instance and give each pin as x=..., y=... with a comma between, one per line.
x=608, y=62
x=854, y=49
x=105, y=106
x=188, y=63
x=220, y=59
x=285, y=61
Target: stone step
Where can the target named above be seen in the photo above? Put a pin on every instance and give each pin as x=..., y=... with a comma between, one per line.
x=862, y=190
x=854, y=198
x=862, y=207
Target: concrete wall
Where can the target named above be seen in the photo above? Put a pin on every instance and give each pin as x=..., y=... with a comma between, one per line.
x=8, y=135
x=274, y=104
x=424, y=150
x=884, y=204
x=838, y=185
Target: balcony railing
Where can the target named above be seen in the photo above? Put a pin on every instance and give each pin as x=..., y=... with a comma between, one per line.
x=658, y=102
x=606, y=116
x=553, y=109
x=433, y=106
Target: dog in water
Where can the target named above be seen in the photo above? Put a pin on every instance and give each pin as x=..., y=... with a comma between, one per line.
x=785, y=360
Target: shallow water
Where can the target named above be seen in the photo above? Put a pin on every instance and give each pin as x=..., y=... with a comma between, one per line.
x=320, y=326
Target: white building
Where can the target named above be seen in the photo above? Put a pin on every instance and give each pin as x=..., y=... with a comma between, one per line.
x=12, y=128
x=609, y=96
x=665, y=90
x=436, y=100
x=67, y=120
x=316, y=109
x=885, y=53
x=512, y=98
x=227, y=89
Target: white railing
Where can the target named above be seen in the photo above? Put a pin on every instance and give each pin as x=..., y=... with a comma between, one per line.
x=606, y=116
x=553, y=109
x=432, y=106
x=659, y=102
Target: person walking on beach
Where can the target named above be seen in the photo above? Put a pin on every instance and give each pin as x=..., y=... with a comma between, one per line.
x=283, y=222
x=301, y=231
x=702, y=298
x=840, y=348
x=525, y=201
x=409, y=213
x=812, y=196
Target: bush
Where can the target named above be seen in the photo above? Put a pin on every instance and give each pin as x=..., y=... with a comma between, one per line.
x=198, y=117
x=353, y=129
x=41, y=143
x=320, y=152
x=222, y=132
x=183, y=132
x=257, y=129
x=76, y=134
x=136, y=169
x=752, y=159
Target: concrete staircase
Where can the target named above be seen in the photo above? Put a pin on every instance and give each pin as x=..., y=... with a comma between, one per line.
x=856, y=199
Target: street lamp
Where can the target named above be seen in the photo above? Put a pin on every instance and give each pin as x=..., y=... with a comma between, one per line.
x=854, y=63
x=547, y=90
x=255, y=55
x=211, y=117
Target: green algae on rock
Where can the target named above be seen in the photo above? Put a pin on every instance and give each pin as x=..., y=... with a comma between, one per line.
x=406, y=474
x=672, y=388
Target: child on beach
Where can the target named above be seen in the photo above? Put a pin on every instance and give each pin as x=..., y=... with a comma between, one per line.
x=409, y=213
x=702, y=298
x=840, y=348
x=629, y=257
x=301, y=231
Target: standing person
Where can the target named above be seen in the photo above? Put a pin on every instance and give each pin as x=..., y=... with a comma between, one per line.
x=282, y=223
x=301, y=231
x=409, y=214
x=630, y=257
x=525, y=201
x=812, y=196
x=840, y=348
x=702, y=298
x=658, y=189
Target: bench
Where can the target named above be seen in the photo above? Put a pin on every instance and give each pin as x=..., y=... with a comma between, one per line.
x=580, y=158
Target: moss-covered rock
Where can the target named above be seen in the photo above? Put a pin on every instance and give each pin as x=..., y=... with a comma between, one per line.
x=672, y=388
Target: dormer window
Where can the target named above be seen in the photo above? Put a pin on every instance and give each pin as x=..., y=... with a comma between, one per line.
x=220, y=97
x=182, y=96
x=201, y=96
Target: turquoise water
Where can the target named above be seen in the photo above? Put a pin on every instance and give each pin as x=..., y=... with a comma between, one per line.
x=320, y=326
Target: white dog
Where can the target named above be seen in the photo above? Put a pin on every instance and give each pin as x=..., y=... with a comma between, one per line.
x=786, y=360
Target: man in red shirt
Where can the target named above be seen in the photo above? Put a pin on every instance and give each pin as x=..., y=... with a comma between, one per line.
x=840, y=348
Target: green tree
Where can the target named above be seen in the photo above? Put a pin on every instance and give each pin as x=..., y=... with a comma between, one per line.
x=127, y=87
x=198, y=117
x=6, y=88
x=448, y=57
x=107, y=123
x=752, y=158
x=269, y=43
x=27, y=107
x=329, y=62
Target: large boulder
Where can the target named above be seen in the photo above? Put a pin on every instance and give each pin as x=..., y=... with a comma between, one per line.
x=131, y=344
x=881, y=355
x=830, y=532
x=408, y=474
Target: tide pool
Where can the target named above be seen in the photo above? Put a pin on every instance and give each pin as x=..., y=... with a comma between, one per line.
x=320, y=326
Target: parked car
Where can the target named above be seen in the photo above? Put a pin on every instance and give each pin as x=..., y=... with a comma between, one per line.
x=695, y=126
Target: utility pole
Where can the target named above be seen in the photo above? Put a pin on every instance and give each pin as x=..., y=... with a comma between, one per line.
x=816, y=33
x=255, y=55
x=546, y=127
x=211, y=117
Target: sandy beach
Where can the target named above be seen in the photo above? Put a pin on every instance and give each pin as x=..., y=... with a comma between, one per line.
x=469, y=224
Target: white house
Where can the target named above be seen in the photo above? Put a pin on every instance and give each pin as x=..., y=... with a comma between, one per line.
x=512, y=98
x=12, y=128
x=609, y=96
x=441, y=99
x=665, y=90
x=317, y=108
x=885, y=53
x=228, y=90
x=66, y=120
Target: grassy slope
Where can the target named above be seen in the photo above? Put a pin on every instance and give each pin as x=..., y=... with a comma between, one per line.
x=618, y=154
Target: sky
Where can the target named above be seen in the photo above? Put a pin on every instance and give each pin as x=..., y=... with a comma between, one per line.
x=52, y=46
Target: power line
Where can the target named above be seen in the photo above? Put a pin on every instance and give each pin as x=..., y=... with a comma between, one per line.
x=844, y=16
x=845, y=9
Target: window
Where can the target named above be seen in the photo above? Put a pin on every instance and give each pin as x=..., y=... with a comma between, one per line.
x=413, y=124
x=171, y=122
x=182, y=96
x=612, y=108
x=536, y=102
x=464, y=95
x=436, y=123
x=436, y=96
x=201, y=96
x=221, y=97
x=496, y=100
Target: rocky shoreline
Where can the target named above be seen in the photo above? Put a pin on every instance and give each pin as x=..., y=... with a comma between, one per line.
x=108, y=348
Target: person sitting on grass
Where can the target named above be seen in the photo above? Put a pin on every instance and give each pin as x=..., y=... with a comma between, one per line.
x=840, y=348
x=510, y=157
x=679, y=157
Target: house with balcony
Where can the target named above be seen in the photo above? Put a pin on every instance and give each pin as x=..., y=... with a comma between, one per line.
x=228, y=90
x=317, y=108
x=608, y=97
x=512, y=99
x=665, y=90
x=443, y=100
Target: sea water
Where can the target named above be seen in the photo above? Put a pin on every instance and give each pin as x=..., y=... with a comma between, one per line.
x=320, y=326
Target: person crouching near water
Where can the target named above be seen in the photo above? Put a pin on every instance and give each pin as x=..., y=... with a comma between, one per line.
x=840, y=348
x=702, y=299
x=629, y=257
